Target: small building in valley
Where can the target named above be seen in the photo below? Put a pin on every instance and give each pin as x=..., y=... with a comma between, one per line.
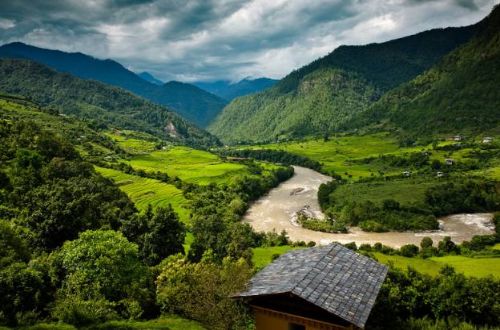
x=329, y=287
x=487, y=139
x=407, y=173
x=449, y=161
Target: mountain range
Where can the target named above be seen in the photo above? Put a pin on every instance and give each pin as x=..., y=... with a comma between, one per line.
x=356, y=85
x=101, y=105
x=194, y=104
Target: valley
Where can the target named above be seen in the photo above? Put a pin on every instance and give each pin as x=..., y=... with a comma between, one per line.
x=152, y=200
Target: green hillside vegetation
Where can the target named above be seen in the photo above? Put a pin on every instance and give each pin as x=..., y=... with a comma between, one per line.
x=101, y=105
x=458, y=95
x=326, y=94
x=194, y=104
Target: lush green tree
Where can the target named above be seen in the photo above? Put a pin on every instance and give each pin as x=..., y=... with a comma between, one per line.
x=426, y=242
x=101, y=261
x=164, y=237
x=24, y=293
x=59, y=210
x=409, y=250
x=202, y=291
x=12, y=247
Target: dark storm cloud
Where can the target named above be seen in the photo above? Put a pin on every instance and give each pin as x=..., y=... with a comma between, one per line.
x=230, y=39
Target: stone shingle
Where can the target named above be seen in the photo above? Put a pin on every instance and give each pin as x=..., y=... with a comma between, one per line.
x=332, y=277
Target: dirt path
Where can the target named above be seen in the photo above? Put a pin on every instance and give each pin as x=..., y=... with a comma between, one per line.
x=276, y=210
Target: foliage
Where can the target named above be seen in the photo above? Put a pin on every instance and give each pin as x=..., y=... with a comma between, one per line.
x=24, y=293
x=463, y=197
x=100, y=272
x=203, y=291
x=410, y=294
x=158, y=234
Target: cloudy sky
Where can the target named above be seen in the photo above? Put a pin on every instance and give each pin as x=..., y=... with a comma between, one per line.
x=223, y=39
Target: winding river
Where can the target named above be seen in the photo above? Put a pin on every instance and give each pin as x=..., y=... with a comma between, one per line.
x=276, y=211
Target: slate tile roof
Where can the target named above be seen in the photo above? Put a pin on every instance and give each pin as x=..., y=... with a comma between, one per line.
x=332, y=277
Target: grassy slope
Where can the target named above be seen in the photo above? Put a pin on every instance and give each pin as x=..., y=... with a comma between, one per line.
x=263, y=255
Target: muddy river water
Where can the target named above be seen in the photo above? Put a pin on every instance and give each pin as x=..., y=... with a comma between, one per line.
x=276, y=211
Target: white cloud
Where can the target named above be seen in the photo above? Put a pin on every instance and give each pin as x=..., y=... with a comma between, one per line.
x=6, y=23
x=230, y=39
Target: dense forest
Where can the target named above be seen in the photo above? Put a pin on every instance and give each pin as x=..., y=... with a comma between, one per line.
x=326, y=94
x=459, y=94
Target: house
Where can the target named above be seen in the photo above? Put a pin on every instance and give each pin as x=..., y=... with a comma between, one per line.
x=487, y=139
x=449, y=161
x=407, y=173
x=329, y=287
x=457, y=138
x=439, y=174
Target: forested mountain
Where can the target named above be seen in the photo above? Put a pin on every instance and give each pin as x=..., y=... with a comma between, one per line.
x=228, y=90
x=150, y=78
x=457, y=95
x=324, y=95
x=100, y=104
x=199, y=106
x=113, y=73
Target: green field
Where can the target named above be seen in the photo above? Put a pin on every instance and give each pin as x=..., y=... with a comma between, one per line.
x=263, y=255
x=477, y=267
x=337, y=153
x=144, y=191
x=405, y=191
x=342, y=154
x=134, y=142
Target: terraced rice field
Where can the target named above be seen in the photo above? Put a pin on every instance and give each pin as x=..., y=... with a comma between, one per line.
x=144, y=191
x=191, y=165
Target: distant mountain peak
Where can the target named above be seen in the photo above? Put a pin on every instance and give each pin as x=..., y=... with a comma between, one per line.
x=150, y=78
x=229, y=90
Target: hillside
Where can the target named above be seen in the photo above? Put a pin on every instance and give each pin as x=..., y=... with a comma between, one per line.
x=458, y=95
x=322, y=96
x=198, y=106
x=100, y=104
x=229, y=91
x=113, y=73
